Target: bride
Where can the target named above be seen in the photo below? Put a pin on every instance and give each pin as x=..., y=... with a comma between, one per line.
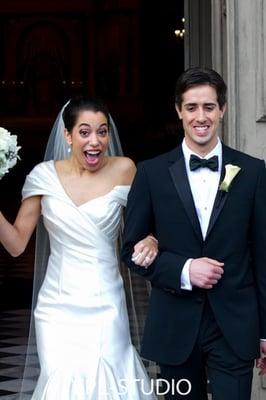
x=81, y=321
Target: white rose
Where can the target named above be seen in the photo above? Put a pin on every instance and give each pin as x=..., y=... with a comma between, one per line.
x=4, y=146
x=2, y=157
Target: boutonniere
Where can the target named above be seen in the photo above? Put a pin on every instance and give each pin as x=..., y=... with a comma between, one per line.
x=230, y=173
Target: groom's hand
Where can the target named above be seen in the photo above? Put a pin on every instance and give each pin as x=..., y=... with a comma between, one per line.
x=205, y=272
x=261, y=362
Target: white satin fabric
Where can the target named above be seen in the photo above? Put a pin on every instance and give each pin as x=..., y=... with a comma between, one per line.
x=82, y=329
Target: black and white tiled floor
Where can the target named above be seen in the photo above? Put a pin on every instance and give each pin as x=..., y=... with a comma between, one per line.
x=14, y=326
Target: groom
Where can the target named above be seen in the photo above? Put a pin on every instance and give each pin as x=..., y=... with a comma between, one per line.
x=206, y=205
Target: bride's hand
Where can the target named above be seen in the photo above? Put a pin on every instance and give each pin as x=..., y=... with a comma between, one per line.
x=145, y=251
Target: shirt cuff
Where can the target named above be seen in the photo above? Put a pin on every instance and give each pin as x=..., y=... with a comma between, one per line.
x=263, y=340
x=185, y=280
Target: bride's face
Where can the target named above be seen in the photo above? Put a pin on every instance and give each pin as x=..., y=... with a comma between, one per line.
x=89, y=139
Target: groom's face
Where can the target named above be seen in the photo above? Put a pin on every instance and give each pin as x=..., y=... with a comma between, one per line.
x=200, y=114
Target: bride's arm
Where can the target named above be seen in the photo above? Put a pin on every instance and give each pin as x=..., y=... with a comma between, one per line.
x=16, y=237
x=145, y=251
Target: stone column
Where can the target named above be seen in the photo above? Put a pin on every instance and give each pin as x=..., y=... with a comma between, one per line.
x=239, y=54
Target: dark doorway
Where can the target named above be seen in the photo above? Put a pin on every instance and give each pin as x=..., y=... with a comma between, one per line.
x=127, y=52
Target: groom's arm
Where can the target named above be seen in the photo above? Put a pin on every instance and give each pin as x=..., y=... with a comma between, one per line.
x=165, y=272
x=258, y=241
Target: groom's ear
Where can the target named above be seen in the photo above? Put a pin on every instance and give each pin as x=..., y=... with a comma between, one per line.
x=68, y=136
x=178, y=111
x=222, y=111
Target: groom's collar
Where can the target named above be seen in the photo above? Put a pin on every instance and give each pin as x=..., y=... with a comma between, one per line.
x=228, y=154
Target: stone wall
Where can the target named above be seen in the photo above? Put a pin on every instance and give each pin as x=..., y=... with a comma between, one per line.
x=239, y=53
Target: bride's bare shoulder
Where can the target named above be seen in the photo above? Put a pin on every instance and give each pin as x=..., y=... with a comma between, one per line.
x=124, y=168
x=124, y=164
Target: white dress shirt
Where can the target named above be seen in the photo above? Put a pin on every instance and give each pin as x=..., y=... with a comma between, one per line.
x=204, y=185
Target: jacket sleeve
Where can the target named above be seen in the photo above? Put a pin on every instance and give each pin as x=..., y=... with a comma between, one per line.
x=165, y=272
x=258, y=242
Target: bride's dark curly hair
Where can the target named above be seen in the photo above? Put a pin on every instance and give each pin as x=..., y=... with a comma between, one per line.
x=82, y=103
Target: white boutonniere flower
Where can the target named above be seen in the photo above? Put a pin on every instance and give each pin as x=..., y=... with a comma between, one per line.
x=8, y=151
x=230, y=173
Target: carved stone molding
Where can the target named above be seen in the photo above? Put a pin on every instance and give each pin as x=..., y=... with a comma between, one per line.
x=231, y=11
x=198, y=33
x=261, y=61
x=219, y=59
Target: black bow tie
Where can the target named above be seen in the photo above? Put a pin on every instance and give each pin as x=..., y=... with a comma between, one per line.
x=196, y=162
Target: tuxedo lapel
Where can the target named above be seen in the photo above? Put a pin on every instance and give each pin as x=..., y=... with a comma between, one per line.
x=221, y=196
x=179, y=175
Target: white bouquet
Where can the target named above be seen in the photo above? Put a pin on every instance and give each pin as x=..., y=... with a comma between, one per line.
x=8, y=151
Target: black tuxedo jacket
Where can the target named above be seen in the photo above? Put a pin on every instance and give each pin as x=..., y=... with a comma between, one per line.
x=160, y=202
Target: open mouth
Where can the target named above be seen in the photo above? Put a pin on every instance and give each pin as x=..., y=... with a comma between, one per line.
x=92, y=156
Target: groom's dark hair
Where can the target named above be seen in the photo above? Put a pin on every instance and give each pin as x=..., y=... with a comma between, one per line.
x=196, y=76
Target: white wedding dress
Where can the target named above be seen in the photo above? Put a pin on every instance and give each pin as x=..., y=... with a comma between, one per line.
x=81, y=321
